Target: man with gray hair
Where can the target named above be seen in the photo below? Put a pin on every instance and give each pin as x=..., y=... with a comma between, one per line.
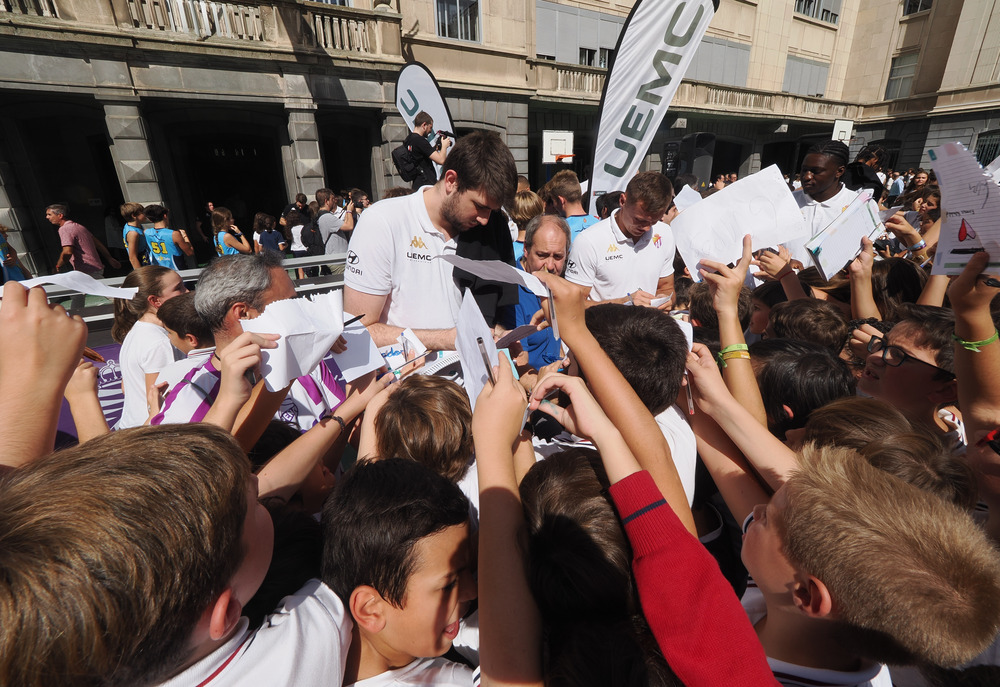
x=546, y=245
x=231, y=289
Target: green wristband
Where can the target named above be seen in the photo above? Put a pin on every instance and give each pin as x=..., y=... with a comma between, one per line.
x=974, y=346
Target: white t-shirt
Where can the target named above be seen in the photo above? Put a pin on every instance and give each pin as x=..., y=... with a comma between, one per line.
x=175, y=371
x=422, y=671
x=792, y=675
x=614, y=265
x=818, y=217
x=304, y=643
x=146, y=350
x=296, y=232
x=391, y=254
x=683, y=446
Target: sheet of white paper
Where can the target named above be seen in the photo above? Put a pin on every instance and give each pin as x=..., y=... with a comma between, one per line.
x=471, y=326
x=970, y=210
x=412, y=343
x=686, y=198
x=361, y=356
x=308, y=329
x=688, y=330
x=760, y=205
x=516, y=335
x=393, y=355
x=82, y=283
x=840, y=241
x=883, y=215
x=495, y=270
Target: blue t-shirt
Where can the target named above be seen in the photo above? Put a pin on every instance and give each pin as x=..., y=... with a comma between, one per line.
x=518, y=251
x=162, y=249
x=13, y=272
x=578, y=223
x=141, y=249
x=542, y=347
x=220, y=245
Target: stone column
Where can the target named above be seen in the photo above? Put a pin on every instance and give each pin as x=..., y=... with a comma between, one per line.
x=307, y=163
x=130, y=152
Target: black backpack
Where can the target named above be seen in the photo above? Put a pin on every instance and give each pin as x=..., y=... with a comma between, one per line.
x=405, y=163
x=312, y=237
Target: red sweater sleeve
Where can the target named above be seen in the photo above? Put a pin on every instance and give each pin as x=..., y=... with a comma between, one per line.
x=698, y=622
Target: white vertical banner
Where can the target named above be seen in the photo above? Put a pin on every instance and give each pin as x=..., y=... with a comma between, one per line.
x=656, y=45
x=417, y=90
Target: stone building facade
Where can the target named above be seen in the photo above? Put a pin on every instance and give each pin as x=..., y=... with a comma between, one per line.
x=246, y=102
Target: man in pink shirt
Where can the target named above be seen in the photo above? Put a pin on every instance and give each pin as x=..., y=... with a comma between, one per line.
x=81, y=249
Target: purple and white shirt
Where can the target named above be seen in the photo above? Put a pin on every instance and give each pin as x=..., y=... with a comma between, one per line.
x=310, y=397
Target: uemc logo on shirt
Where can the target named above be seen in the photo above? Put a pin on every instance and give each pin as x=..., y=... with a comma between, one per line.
x=613, y=253
x=417, y=242
x=352, y=260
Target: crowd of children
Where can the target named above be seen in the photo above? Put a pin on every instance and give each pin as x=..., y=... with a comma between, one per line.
x=818, y=507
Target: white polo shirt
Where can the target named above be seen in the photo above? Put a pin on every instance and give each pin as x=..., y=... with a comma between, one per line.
x=391, y=254
x=613, y=265
x=818, y=217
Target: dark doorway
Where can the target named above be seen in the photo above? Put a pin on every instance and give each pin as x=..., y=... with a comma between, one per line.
x=781, y=153
x=346, y=143
x=71, y=161
x=239, y=171
x=727, y=158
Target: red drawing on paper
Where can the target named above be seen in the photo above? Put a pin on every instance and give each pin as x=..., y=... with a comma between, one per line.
x=966, y=232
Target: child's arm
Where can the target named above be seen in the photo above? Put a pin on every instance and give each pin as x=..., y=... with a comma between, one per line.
x=769, y=456
x=238, y=408
x=81, y=393
x=585, y=418
x=725, y=285
x=934, y=290
x=367, y=443
x=180, y=238
x=48, y=348
x=689, y=605
x=616, y=396
x=510, y=633
x=283, y=475
x=860, y=271
x=978, y=376
x=779, y=268
x=700, y=626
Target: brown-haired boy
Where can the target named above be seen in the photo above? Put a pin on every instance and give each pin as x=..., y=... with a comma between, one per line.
x=128, y=559
x=854, y=567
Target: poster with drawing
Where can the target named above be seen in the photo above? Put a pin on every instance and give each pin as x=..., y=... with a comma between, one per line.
x=970, y=210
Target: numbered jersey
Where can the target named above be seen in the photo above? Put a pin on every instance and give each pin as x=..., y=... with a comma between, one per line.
x=220, y=245
x=162, y=249
x=140, y=246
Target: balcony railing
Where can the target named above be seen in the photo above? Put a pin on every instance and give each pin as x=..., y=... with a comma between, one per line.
x=199, y=17
x=334, y=31
x=31, y=8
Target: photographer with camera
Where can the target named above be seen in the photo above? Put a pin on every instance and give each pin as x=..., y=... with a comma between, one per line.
x=423, y=153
